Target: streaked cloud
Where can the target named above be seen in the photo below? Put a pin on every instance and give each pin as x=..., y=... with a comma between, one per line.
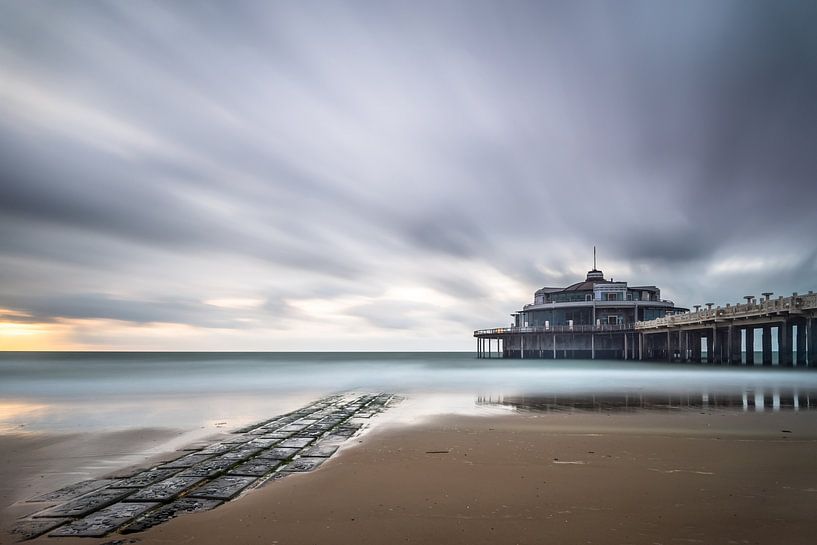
x=390, y=175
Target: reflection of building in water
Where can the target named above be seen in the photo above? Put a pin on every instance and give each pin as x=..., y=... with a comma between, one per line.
x=750, y=399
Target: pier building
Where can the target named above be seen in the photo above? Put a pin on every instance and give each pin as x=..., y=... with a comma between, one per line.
x=593, y=318
x=605, y=319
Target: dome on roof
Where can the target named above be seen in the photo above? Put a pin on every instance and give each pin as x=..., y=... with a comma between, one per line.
x=594, y=274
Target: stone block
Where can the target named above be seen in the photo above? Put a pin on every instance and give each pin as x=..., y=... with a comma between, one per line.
x=146, y=478
x=169, y=511
x=241, y=454
x=296, y=442
x=209, y=468
x=279, y=453
x=218, y=448
x=320, y=451
x=222, y=488
x=165, y=490
x=277, y=435
x=31, y=528
x=263, y=442
x=300, y=465
x=73, y=490
x=257, y=467
x=85, y=504
x=105, y=521
x=292, y=428
x=186, y=461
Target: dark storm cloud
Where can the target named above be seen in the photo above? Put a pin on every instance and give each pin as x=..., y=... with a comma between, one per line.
x=336, y=150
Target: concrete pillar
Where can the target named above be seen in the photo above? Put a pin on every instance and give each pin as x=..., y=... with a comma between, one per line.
x=784, y=344
x=750, y=345
x=669, y=347
x=625, y=346
x=683, y=346
x=554, y=346
x=801, y=343
x=696, y=347
x=733, y=354
x=641, y=346
x=713, y=346
x=766, y=345
x=522, y=345
x=812, y=342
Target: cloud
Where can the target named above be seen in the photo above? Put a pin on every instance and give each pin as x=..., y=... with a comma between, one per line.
x=157, y=157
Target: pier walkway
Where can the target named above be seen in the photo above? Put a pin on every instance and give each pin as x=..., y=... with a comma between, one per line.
x=716, y=335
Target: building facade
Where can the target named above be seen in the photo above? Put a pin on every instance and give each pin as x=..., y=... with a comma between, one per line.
x=594, y=318
x=595, y=301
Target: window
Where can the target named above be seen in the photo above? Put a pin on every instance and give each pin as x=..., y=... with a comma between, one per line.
x=588, y=297
x=612, y=320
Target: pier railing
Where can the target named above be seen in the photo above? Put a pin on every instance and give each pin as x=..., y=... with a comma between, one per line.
x=578, y=328
x=753, y=309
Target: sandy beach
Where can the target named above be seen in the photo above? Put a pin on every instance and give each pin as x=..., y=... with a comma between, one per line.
x=562, y=477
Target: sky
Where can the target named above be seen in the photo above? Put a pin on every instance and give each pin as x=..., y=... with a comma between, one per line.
x=375, y=175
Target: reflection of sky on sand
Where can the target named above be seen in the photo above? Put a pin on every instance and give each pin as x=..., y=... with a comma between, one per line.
x=211, y=414
x=14, y=414
x=73, y=392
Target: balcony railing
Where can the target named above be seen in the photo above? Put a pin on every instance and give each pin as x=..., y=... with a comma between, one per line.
x=598, y=302
x=748, y=310
x=588, y=328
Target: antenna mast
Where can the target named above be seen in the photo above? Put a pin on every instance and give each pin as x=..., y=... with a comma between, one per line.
x=594, y=257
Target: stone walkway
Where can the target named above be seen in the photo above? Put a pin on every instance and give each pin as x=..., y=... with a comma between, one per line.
x=204, y=477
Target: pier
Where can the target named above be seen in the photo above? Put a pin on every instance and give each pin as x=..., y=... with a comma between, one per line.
x=714, y=335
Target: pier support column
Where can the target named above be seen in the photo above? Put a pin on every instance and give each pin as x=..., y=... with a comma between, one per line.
x=766, y=345
x=554, y=346
x=784, y=345
x=668, y=354
x=696, y=347
x=801, y=343
x=592, y=346
x=812, y=342
x=750, y=345
x=522, y=347
x=734, y=345
x=683, y=345
x=640, y=346
x=625, y=346
x=712, y=346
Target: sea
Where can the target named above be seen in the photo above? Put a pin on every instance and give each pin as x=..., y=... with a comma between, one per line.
x=75, y=392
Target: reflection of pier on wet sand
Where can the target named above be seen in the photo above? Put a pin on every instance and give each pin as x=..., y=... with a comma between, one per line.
x=205, y=476
x=749, y=399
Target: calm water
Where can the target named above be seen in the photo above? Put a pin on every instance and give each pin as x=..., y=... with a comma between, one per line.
x=95, y=391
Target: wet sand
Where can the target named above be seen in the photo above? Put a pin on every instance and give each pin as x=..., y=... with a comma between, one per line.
x=646, y=477
x=34, y=463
